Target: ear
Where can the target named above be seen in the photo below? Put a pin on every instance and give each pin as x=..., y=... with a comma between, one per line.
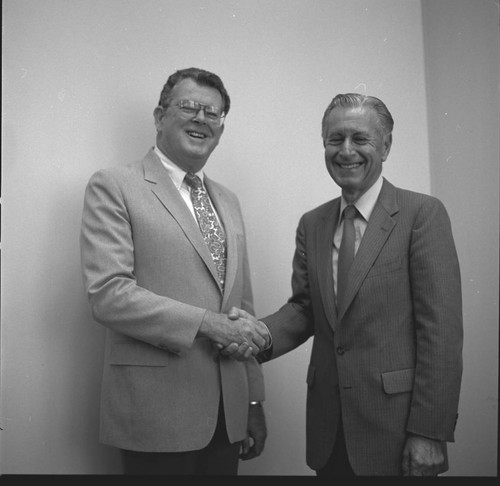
x=158, y=116
x=387, y=146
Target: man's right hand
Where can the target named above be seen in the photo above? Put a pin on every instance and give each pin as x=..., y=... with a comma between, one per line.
x=246, y=332
x=241, y=352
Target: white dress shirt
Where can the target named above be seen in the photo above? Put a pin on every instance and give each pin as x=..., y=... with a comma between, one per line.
x=177, y=175
x=364, y=205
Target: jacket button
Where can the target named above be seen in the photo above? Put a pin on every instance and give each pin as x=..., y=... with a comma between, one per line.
x=340, y=350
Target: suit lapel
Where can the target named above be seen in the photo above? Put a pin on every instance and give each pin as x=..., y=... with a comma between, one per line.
x=165, y=190
x=324, y=248
x=378, y=230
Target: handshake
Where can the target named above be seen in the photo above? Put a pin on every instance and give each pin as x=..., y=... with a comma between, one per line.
x=238, y=334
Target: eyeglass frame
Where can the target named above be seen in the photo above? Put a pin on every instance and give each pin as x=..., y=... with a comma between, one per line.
x=194, y=107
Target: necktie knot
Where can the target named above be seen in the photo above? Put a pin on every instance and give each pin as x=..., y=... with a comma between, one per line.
x=350, y=211
x=193, y=180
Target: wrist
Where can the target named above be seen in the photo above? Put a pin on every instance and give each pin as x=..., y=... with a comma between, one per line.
x=208, y=325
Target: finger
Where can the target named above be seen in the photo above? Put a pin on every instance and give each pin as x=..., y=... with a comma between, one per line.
x=239, y=353
x=259, y=343
x=233, y=314
x=230, y=349
x=245, y=446
x=244, y=352
x=244, y=314
x=249, y=453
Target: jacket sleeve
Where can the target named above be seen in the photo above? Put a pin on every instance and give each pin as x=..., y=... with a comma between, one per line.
x=107, y=260
x=437, y=307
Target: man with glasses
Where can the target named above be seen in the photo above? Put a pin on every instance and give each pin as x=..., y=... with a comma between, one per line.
x=164, y=259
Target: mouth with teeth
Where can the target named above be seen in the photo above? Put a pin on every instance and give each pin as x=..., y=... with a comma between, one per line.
x=197, y=135
x=350, y=166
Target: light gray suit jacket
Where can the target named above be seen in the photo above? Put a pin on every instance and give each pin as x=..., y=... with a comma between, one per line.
x=392, y=355
x=150, y=278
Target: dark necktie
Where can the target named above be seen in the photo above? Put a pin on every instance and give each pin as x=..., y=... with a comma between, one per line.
x=209, y=226
x=346, y=251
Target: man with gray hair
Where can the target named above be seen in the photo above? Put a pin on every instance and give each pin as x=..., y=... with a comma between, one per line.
x=376, y=282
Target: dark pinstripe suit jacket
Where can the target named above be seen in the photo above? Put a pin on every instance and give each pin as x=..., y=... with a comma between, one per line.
x=392, y=354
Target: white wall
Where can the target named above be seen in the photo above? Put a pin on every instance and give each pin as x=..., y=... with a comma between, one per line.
x=461, y=51
x=80, y=81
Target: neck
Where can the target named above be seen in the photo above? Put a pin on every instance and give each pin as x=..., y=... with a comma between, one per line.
x=189, y=164
x=351, y=197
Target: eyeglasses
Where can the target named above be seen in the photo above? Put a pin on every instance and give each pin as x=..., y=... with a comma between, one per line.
x=192, y=108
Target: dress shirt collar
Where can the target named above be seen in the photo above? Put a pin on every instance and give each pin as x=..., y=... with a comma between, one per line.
x=366, y=202
x=174, y=171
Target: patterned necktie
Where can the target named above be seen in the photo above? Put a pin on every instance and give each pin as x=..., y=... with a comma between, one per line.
x=209, y=226
x=346, y=251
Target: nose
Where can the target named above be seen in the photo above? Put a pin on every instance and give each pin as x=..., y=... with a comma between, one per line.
x=201, y=118
x=346, y=149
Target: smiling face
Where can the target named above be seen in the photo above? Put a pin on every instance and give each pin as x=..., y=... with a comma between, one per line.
x=355, y=147
x=188, y=140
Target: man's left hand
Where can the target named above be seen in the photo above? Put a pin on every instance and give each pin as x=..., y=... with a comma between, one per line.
x=423, y=457
x=253, y=445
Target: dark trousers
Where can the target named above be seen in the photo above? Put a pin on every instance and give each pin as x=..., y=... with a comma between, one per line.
x=219, y=457
x=338, y=464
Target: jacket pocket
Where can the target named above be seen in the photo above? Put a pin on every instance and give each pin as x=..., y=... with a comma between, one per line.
x=138, y=354
x=399, y=381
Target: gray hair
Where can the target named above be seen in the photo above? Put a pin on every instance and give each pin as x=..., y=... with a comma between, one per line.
x=356, y=100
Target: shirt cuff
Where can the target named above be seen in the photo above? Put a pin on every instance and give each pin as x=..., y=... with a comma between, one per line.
x=270, y=338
